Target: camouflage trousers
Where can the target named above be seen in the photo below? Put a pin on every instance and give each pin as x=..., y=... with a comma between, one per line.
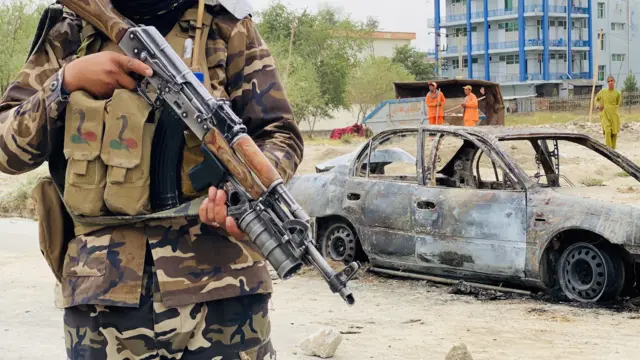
x=228, y=329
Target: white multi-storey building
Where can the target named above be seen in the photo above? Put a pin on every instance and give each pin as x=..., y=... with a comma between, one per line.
x=527, y=45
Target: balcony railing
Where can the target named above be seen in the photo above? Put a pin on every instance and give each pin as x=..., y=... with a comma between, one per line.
x=500, y=12
x=506, y=45
x=565, y=76
x=475, y=47
x=503, y=45
x=580, y=43
x=502, y=78
x=531, y=8
x=505, y=78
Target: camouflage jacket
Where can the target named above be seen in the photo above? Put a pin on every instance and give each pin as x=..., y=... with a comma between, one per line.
x=194, y=262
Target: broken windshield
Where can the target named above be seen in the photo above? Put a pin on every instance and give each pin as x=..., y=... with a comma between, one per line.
x=574, y=165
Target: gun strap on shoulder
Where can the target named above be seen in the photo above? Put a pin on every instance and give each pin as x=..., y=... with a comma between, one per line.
x=49, y=18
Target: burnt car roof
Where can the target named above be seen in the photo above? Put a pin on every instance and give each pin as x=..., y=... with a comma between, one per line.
x=497, y=132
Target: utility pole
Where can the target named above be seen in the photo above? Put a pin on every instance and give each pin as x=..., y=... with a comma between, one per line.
x=293, y=30
x=438, y=53
x=460, y=55
x=629, y=46
x=629, y=35
x=593, y=88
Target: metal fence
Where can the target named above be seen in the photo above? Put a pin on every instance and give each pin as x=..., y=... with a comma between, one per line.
x=578, y=103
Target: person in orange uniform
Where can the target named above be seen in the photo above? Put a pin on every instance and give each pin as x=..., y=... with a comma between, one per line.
x=470, y=106
x=435, y=105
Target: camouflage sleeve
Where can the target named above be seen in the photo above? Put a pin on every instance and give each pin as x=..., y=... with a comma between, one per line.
x=258, y=97
x=34, y=99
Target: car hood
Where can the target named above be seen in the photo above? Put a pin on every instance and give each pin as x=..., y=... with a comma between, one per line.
x=587, y=198
x=568, y=208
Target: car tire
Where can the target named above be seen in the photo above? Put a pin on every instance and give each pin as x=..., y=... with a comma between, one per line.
x=587, y=273
x=339, y=242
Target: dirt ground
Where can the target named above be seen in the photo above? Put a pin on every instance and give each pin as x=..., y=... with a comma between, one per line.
x=392, y=318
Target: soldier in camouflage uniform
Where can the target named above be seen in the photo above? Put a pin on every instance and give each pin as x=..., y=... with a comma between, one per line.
x=189, y=287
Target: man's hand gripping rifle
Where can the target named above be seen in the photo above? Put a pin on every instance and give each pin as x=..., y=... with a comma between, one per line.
x=269, y=215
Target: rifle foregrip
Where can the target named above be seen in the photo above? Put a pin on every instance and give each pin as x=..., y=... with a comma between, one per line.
x=250, y=153
x=217, y=144
x=101, y=14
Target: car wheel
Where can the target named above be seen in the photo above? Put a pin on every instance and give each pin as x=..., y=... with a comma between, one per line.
x=590, y=274
x=339, y=243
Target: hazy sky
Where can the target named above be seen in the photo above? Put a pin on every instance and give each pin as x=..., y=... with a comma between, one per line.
x=393, y=15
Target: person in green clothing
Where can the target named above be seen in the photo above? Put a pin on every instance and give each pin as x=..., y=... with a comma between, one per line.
x=608, y=102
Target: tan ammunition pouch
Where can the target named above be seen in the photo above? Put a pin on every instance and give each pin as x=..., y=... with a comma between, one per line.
x=108, y=143
x=85, y=175
x=54, y=226
x=108, y=148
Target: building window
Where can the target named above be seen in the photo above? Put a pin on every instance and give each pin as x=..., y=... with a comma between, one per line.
x=617, y=26
x=602, y=43
x=601, y=70
x=465, y=62
x=510, y=59
x=600, y=10
x=509, y=26
x=508, y=4
x=617, y=57
x=462, y=32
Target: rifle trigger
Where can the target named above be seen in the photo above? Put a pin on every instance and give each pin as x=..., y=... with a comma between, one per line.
x=140, y=89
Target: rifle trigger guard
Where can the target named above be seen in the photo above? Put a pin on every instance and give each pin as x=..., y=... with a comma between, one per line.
x=140, y=88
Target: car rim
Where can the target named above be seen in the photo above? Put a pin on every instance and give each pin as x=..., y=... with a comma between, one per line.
x=584, y=273
x=342, y=244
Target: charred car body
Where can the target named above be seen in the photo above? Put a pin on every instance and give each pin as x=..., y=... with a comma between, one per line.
x=450, y=201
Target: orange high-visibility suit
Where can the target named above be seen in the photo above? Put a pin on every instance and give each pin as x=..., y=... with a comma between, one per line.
x=470, y=116
x=431, y=101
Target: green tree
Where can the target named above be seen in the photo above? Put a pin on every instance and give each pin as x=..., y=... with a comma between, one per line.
x=372, y=82
x=414, y=61
x=630, y=84
x=302, y=87
x=303, y=91
x=327, y=40
x=18, y=22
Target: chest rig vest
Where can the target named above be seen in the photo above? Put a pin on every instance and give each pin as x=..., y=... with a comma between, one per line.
x=115, y=148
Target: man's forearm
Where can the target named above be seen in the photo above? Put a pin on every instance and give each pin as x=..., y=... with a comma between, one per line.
x=25, y=119
x=34, y=99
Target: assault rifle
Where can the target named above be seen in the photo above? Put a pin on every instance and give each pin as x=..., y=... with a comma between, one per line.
x=270, y=216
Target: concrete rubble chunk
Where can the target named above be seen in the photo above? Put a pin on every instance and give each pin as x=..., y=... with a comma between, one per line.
x=323, y=343
x=459, y=352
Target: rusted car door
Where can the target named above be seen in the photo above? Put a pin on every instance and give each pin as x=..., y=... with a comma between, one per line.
x=380, y=200
x=460, y=226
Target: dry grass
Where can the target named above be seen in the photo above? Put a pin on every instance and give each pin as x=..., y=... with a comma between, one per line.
x=590, y=182
x=17, y=202
x=548, y=118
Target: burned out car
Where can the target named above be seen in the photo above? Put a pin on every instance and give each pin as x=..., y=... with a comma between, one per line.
x=484, y=204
